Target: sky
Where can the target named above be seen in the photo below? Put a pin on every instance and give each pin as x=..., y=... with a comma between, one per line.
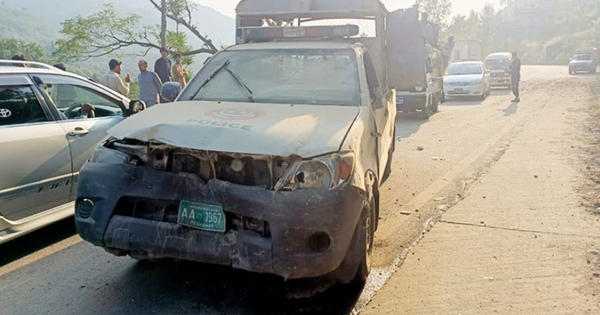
x=227, y=7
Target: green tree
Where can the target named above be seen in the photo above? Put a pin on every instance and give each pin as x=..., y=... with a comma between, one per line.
x=108, y=32
x=438, y=10
x=32, y=51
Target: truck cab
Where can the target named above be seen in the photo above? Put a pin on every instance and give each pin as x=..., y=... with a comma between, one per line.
x=270, y=160
x=499, y=65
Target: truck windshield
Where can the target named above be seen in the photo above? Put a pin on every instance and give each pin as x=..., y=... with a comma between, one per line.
x=497, y=63
x=465, y=68
x=582, y=57
x=281, y=76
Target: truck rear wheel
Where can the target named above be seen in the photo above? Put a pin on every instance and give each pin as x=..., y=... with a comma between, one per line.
x=435, y=107
x=426, y=112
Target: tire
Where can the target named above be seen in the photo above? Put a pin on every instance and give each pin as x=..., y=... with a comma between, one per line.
x=435, y=107
x=426, y=112
x=366, y=236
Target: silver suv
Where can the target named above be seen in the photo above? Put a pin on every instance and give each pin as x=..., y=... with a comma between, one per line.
x=50, y=123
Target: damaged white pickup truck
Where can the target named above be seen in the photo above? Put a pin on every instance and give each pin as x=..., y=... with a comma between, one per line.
x=270, y=161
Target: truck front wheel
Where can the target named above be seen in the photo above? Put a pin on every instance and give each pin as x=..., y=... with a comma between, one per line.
x=367, y=237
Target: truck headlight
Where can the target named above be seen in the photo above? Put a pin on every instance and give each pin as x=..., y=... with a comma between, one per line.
x=330, y=172
x=105, y=155
x=418, y=88
x=476, y=82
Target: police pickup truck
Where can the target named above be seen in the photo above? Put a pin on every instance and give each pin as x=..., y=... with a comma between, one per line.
x=271, y=159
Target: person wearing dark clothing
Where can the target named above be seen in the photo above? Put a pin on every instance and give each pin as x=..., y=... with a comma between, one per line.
x=163, y=66
x=19, y=58
x=60, y=66
x=516, y=76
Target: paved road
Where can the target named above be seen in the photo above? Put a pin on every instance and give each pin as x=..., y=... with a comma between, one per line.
x=436, y=165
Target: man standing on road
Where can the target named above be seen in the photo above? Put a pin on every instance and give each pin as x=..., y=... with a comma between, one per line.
x=112, y=79
x=150, y=85
x=516, y=76
x=163, y=65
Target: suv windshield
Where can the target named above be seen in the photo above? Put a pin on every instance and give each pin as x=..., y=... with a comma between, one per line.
x=582, y=57
x=284, y=76
x=465, y=68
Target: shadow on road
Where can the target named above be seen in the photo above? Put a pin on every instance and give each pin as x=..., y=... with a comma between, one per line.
x=33, y=242
x=191, y=288
x=463, y=101
x=501, y=92
x=408, y=124
x=511, y=110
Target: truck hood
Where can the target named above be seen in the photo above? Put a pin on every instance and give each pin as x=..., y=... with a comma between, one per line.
x=247, y=128
x=581, y=62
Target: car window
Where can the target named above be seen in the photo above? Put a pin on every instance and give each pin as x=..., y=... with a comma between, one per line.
x=19, y=105
x=70, y=99
x=465, y=68
x=70, y=94
x=372, y=80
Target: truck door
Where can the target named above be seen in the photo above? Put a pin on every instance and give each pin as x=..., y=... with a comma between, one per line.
x=384, y=114
x=406, y=51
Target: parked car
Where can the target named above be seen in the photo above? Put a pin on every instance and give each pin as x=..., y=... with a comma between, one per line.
x=499, y=65
x=45, y=140
x=467, y=79
x=584, y=60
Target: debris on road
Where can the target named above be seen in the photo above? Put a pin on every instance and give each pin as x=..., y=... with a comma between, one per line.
x=420, y=148
x=405, y=213
x=488, y=278
x=439, y=199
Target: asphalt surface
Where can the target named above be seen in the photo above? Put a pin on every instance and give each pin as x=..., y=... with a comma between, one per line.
x=52, y=272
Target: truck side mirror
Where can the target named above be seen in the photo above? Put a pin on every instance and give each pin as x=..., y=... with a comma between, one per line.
x=170, y=91
x=377, y=98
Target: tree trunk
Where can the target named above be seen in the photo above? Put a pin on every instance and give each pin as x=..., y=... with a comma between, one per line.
x=163, y=24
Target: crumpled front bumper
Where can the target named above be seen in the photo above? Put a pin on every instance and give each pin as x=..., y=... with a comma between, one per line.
x=293, y=218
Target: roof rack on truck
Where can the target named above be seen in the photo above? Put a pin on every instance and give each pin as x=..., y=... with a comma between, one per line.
x=314, y=20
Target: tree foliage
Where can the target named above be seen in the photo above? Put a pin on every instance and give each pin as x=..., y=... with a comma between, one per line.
x=438, y=10
x=32, y=51
x=107, y=32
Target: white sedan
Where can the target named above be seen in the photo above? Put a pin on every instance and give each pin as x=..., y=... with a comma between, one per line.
x=467, y=79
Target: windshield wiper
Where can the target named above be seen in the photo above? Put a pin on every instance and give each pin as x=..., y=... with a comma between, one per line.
x=237, y=78
x=210, y=77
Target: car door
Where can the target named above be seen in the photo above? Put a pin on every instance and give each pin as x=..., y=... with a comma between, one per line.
x=83, y=133
x=383, y=108
x=35, y=159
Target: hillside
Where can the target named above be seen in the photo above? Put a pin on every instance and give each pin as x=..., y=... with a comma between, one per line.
x=18, y=23
x=218, y=26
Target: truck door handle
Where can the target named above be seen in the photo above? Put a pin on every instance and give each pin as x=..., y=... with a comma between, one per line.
x=78, y=132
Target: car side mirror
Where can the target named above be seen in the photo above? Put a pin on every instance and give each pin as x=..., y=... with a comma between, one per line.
x=170, y=91
x=136, y=107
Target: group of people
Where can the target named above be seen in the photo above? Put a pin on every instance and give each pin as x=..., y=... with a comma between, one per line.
x=150, y=82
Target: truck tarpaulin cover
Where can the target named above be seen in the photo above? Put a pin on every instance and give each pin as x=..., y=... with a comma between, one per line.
x=406, y=50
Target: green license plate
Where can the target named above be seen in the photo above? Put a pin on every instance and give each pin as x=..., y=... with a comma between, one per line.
x=201, y=216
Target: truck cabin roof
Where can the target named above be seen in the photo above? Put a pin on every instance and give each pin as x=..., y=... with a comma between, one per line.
x=289, y=10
